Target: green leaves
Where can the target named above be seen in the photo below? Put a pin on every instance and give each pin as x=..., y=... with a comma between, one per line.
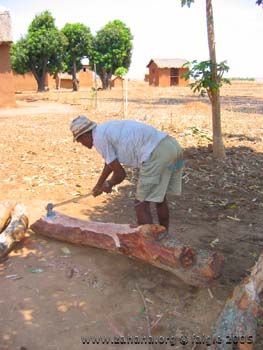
x=79, y=44
x=46, y=49
x=201, y=72
x=42, y=21
x=41, y=50
x=187, y=2
x=20, y=57
x=112, y=49
x=121, y=71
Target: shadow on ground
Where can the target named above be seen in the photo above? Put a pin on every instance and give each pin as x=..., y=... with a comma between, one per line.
x=93, y=292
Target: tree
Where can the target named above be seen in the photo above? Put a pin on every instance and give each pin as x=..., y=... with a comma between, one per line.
x=79, y=39
x=40, y=51
x=112, y=49
x=215, y=83
x=201, y=73
x=121, y=72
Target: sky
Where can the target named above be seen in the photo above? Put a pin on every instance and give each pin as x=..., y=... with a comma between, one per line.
x=162, y=28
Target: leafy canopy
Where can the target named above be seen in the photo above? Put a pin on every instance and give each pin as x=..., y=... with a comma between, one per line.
x=121, y=71
x=41, y=49
x=112, y=47
x=187, y=2
x=190, y=2
x=79, y=39
x=201, y=73
x=20, y=57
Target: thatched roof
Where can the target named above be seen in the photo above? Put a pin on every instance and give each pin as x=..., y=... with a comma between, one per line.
x=66, y=76
x=167, y=62
x=114, y=77
x=5, y=26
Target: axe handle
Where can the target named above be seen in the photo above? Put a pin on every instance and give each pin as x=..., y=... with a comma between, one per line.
x=72, y=200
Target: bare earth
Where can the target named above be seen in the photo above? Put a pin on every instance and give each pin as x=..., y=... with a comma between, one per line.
x=61, y=292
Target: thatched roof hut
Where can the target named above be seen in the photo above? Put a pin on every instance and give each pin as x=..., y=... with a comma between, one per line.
x=5, y=26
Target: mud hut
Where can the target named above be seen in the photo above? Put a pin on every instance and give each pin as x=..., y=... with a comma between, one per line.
x=167, y=72
x=7, y=88
x=116, y=81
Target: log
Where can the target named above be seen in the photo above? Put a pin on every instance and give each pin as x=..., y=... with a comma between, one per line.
x=15, y=230
x=237, y=323
x=5, y=214
x=196, y=268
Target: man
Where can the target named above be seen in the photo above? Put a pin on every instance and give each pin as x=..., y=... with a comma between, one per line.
x=127, y=142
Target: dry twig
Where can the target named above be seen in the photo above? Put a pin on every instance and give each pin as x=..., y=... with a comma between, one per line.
x=146, y=315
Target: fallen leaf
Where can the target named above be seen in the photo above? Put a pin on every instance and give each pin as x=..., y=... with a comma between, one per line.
x=214, y=242
x=233, y=218
x=13, y=277
x=35, y=270
x=65, y=250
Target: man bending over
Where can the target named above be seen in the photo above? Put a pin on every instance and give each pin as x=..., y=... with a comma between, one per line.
x=157, y=155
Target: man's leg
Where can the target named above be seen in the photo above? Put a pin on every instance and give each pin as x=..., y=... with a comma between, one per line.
x=163, y=213
x=143, y=213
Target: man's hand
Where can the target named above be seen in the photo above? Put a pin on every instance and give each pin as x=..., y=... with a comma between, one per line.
x=97, y=191
x=106, y=187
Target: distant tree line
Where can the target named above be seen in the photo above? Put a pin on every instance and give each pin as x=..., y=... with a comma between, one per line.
x=46, y=49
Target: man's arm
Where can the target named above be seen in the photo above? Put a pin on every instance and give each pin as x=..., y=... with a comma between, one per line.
x=118, y=176
x=104, y=175
x=97, y=190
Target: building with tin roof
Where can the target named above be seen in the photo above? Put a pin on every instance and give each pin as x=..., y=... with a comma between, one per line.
x=167, y=72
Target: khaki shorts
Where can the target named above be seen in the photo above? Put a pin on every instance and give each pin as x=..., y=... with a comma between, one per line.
x=161, y=174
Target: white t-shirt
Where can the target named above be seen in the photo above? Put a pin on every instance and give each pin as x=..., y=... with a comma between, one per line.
x=128, y=141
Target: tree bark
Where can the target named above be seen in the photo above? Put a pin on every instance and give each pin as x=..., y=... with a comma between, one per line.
x=14, y=231
x=43, y=75
x=34, y=72
x=41, y=84
x=237, y=322
x=218, y=145
x=40, y=75
x=105, y=79
x=196, y=268
x=5, y=214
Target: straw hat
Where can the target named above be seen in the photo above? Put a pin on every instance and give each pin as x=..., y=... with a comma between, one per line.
x=80, y=126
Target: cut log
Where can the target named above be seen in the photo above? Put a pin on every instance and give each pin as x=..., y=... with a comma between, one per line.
x=196, y=268
x=5, y=214
x=15, y=230
x=237, y=324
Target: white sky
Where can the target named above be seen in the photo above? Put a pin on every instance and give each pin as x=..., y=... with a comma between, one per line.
x=162, y=29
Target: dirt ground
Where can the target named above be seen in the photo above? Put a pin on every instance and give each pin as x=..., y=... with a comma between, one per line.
x=53, y=293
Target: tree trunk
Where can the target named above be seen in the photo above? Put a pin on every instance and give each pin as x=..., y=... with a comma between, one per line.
x=218, y=145
x=105, y=79
x=196, y=268
x=41, y=83
x=14, y=231
x=40, y=75
x=34, y=72
x=237, y=322
x=75, y=82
